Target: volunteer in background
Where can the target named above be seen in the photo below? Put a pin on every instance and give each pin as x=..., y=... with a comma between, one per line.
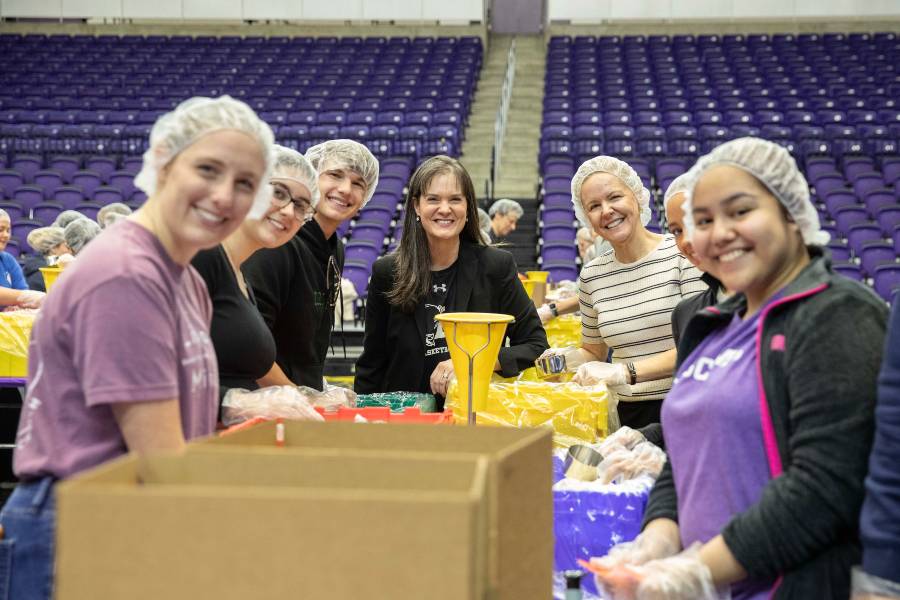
x=298, y=284
x=626, y=296
x=590, y=246
x=673, y=204
x=48, y=243
x=879, y=576
x=13, y=287
x=111, y=213
x=442, y=265
x=120, y=357
x=79, y=232
x=504, y=214
x=769, y=423
x=245, y=348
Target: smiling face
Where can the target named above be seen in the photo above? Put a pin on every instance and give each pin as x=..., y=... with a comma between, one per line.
x=281, y=222
x=611, y=208
x=743, y=235
x=341, y=194
x=675, y=220
x=5, y=231
x=442, y=208
x=204, y=194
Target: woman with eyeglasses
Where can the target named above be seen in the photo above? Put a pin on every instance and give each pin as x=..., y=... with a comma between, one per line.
x=245, y=348
x=442, y=265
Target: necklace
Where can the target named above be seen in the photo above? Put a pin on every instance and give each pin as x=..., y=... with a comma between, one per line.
x=237, y=271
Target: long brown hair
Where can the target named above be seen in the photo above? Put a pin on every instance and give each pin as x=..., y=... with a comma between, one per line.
x=412, y=273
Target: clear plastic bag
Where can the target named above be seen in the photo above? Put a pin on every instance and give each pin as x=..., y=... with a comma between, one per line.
x=865, y=586
x=280, y=401
x=577, y=414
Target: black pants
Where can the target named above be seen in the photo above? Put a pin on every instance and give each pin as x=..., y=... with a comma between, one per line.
x=639, y=414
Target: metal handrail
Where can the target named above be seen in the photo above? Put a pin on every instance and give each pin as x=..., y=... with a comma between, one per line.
x=502, y=115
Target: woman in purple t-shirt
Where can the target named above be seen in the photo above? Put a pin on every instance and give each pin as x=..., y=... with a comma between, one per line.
x=120, y=357
x=769, y=419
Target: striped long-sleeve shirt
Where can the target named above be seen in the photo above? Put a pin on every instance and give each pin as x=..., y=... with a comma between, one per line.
x=628, y=307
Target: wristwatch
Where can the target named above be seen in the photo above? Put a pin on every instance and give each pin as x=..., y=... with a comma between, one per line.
x=553, y=311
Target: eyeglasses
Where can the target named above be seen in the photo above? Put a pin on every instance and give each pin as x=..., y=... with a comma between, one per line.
x=281, y=197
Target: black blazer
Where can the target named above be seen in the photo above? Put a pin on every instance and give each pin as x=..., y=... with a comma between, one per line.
x=486, y=281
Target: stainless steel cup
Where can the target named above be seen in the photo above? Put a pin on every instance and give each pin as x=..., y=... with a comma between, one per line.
x=581, y=463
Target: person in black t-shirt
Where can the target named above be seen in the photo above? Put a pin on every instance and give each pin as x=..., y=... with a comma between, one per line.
x=245, y=348
x=298, y=284
x=441, y=265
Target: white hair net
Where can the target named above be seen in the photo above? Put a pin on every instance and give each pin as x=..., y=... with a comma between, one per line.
x=194, y=118
x=679, y=185
x=66, y=217
x=504, y=206
x=79, y=232
x=111, y=213
x=346, y=154
x=776, y=169
x=290, y=164
x=613, y=166
x=45, y=239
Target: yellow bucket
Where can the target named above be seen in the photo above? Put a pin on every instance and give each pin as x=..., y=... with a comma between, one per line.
x=474, y=340
x=50, y=274
x=538, y=275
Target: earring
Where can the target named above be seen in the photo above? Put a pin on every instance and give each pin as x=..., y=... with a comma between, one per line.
x=417, y=218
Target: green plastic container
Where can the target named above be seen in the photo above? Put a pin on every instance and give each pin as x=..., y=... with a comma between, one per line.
x=397, y=401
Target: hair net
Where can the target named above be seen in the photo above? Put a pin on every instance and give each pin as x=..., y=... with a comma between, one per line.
x=66, y=217
x=504, y=206
x=194, y=118
x=79, y=232
x=679, y=185
x=4, y=215
x=290, y=164
x=111, y=213
x=346, y=154
x=613, y=166
x=776, y=169
x=45, y=239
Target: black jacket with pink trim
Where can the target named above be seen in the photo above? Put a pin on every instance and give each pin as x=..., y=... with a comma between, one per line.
x=819, y=352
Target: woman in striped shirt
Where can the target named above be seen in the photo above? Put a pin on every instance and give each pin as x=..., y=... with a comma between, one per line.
x=627, y=295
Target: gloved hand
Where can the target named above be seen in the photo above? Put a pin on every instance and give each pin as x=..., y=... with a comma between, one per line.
x=680, y=577
x=869, y=587
x=575, y=357
x=594, y=372
x=64, y=259
x=624, y=464
x=623, y=437
x=545, y=313
x=649, y=545
x=30, y=299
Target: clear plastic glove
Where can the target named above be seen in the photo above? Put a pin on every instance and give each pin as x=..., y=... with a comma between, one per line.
x=623, y=437
x=623, y=464
x=64, y=260
x=649, y=545
x=575, y=357
x=545, y=313
x=594, y=372
x=30, y=299
x=284, y=401
x=680, y=577
x=869, y=587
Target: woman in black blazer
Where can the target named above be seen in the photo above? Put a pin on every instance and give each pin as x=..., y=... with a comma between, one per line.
x=441, y=265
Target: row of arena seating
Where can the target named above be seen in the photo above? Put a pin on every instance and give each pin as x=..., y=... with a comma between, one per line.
x=659, y=102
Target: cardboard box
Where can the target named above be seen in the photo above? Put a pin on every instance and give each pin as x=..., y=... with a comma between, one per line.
x=239, y=523
x=520, y=501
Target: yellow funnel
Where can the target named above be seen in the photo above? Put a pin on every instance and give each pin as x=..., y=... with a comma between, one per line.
x=50, y=274
x=473, y=340
x=538, y=275
x=529, y=286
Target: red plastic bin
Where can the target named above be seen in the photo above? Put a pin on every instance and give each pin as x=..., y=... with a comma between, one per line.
x=384, y=414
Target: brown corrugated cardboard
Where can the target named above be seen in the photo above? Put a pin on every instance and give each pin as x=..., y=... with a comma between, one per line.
x=233, y=523
x=520, y=514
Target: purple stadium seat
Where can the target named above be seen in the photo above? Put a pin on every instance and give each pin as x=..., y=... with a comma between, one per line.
x=21, y=229
x=560, y=272
x=46, y=212
x=557, y=233
x=888, y=218
x=848, y=269
x=890, y=169
x=838, y=199
x=14, y=209
x=887, y=280
x=559, y=252
x=876, y=253
x=840, y=251
x=861, y=234
x=362, y=250
x=27, y=165
x=359, y=276
x=49, y=180
x=848, y=216
x=28, y=196
x=88, y=209
x=105, y=194
x=556, y=216
x=88, y=181
x=867, y=182
x=10, y=180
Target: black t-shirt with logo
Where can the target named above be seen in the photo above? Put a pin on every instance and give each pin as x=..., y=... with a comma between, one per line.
x=439, y=298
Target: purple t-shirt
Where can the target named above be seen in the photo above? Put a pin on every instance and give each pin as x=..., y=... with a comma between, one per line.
x=124, y=323
x=711, y=424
